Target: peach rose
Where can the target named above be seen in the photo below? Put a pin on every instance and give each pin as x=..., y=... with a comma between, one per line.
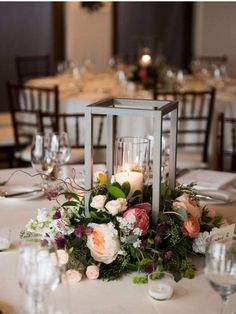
x=72, y=275
x=92, y=272
x=103, y=242
x=140, y=218
x=191, y=227
x=192, y=207
x=61, y=257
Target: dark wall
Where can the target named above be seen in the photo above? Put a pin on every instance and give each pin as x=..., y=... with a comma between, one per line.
x=26, y=28
x=165, y=27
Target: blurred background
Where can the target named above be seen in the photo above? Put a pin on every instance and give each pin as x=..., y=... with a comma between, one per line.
x=92, y=32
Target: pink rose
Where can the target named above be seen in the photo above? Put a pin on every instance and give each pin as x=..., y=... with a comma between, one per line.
x=185, y=202
x=140, y=218
x=61, y=257
x=98, y=201
x=92, y=272
x=123, y=204
x=72, y=275
x=191, y=227
x=103, y=242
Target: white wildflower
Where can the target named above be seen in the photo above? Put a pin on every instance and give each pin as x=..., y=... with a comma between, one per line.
x=137, y=243
x=42, y=214
x=199, y=243
x=137, y=232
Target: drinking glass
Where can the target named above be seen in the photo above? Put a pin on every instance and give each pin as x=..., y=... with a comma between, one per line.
x=220, y=267
x=59, y=150
x=40, y=159
x=38, y=272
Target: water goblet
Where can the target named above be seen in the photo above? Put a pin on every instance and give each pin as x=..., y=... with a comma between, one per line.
x=59, y=150
x=38, y=272
x=40, y=158
x=220, y=267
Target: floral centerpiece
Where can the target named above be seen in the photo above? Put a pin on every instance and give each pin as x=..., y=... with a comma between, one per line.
x=148, y=75
x=119, y=236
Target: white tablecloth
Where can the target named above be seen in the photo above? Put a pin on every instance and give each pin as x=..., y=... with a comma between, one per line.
x=95, y=87
x=100, y=297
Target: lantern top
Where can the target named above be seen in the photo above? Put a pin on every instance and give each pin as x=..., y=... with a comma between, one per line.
x=124, y=106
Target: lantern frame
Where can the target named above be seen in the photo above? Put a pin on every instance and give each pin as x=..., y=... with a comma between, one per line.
x=153, y=109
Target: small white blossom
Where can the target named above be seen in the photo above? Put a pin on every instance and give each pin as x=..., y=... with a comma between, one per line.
x=42, y=214
x=137, y=243
x=199, y=243
x=137, y=232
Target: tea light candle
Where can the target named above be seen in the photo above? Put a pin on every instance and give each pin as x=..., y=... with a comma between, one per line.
x=4, y=244
x=134, y=178
x=161, y=291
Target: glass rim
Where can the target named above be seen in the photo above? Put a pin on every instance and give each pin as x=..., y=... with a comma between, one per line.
x=166, y=273
x=132, y=140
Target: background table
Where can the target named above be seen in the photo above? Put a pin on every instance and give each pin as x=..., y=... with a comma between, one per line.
x=100, y=297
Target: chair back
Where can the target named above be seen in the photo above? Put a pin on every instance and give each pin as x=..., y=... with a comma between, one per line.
x=25, y=103
x=195, y=112
x=226, y=143
x=29, y=67
x=74, y=125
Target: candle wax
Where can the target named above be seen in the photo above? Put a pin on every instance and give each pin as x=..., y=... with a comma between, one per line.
x=134, y=178
x=161, y=291
x=4, y=243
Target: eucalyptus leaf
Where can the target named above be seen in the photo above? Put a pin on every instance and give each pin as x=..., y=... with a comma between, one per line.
x=131, y=239
x=183, y=214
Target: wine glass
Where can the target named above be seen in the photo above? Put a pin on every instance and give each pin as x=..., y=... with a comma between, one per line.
x=220, y=266
x=40, y=158
x=38, y=272
x=59, y=150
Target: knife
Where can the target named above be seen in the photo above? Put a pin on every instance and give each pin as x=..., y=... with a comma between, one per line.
x=5, y=193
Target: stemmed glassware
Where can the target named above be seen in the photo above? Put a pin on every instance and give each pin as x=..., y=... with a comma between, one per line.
x=38, y=272
x=40, y=159
x=59, y=150
x=220, y=267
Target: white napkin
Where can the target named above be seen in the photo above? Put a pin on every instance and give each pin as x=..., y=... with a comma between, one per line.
x=212, y=186
x=208, y=179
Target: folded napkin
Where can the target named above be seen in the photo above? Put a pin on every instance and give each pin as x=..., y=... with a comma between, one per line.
x=208, y=179
x=212, y=186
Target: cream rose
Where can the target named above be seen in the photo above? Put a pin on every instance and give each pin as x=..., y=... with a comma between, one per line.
x=92, y=272
x=72, y=275
x=115, y=207
x=189, y=205
x=61, y=257
x=103, y=242
x=98, y=201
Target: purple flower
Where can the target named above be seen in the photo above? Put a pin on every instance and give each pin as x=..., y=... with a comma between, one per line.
x=57, y=214
x=157, y=240
x=143, y=244
x=60, y=241
x=167, y=255
x=81, y=230
x=163, y=227
x=67, y=197
x=53, y=194
x=149, y=268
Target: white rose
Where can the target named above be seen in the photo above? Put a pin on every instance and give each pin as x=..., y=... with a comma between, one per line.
x=113, y=207
x=61, y=257
x=199, y=243
x=98, y=201
x=92, y=272
x=103, y=242
x=72, y=275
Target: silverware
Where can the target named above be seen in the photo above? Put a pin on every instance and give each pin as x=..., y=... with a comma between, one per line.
x=6, y=194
